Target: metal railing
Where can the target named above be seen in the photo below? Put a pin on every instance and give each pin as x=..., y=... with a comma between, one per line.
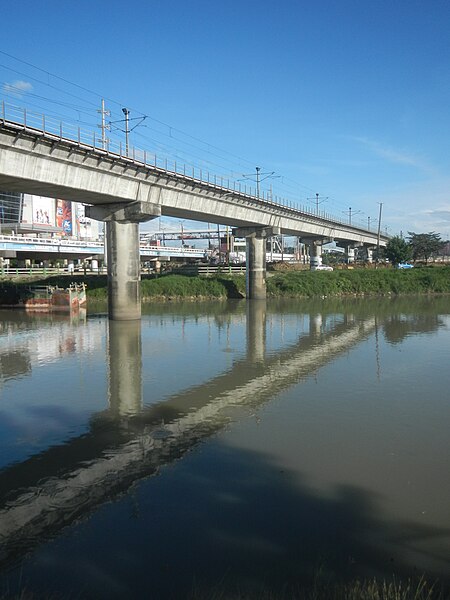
x=71, y=133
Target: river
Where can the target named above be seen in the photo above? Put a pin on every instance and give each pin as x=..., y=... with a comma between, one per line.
x=216, y=447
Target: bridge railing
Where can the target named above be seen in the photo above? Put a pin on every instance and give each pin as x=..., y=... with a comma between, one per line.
x=92, y=139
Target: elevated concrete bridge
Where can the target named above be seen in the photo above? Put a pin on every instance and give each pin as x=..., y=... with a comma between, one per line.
x=124, y=191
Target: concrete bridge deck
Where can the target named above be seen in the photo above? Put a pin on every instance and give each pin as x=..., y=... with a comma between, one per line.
x=124, y=191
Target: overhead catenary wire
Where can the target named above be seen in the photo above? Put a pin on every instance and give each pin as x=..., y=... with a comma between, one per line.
x=185, y=146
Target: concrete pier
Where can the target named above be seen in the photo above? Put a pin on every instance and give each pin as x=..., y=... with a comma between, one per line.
x=122, y=252
x=255, y=238
x=124, y=273
x=349, y=254
x=315, y=253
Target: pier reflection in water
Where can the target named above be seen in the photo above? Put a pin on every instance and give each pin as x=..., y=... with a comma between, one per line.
x=312, y=447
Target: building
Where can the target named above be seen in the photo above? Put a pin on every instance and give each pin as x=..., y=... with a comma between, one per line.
x=28, y=214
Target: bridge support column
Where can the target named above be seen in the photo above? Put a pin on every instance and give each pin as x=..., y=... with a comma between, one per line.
x=255, y=238
x=369, y=254
x=315, y=252
x=350, y=254
x=122, y=250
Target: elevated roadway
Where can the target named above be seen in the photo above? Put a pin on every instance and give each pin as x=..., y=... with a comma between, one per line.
x=124, y=190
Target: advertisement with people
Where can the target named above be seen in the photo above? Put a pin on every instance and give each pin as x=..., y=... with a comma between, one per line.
x=38, y=210
x=64, y=216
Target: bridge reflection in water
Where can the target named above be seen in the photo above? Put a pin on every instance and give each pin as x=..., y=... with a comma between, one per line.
x=128, y=442
x=131, y=439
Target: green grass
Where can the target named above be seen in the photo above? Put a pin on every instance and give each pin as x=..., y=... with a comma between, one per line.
x=371, y=589
x=359, y=282
x=302, y=284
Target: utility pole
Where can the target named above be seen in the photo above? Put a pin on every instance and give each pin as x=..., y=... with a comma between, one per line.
x=350, y=214
x=318, y=201
x=368, y=223
x=126, y=112
x=260, y=177
x=378, y=234
x=104, y=113
x=127, y=129
x=218, y=240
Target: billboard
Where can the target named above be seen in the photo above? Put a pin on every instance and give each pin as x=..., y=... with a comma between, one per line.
x=38, y=210
x=64, y=216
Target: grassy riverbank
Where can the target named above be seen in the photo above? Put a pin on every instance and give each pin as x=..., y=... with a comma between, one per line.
x=372, y=589
x=289, y=284
x=367, y=282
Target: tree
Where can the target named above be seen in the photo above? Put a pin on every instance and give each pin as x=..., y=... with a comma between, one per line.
x=424, y=245
x=398, y=250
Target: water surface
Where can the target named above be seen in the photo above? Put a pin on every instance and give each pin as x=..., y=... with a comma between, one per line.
x=224, y=446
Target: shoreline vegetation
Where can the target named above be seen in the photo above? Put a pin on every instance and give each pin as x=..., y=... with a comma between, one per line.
x=287, y=284
x=364, y=589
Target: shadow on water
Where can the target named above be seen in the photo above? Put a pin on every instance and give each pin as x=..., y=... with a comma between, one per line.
x=221, y=518
x=229, y=522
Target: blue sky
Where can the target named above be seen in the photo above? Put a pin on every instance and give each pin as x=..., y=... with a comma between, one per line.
x=348, y=99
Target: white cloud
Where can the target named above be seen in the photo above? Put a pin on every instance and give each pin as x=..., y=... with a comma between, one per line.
x=396, y=156
x=17, y=88
x=419, y=207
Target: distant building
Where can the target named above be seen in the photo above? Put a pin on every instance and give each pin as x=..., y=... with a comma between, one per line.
x=30, y=214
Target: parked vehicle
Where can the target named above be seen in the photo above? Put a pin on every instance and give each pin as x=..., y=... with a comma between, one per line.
x=404, y=266
x=322, y=268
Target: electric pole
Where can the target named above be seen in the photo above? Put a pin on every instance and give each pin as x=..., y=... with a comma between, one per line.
x=104, y=127
x=260, y=177
x=318, y=201
x=126, y=112
x=350, y=214
x=378, y=234
x=127, y=129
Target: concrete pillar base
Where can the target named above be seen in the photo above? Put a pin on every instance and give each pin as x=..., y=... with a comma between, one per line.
x=315, y=254
x=122, y=254
x=124, y=273
x=350, y=254
x=255, y=238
